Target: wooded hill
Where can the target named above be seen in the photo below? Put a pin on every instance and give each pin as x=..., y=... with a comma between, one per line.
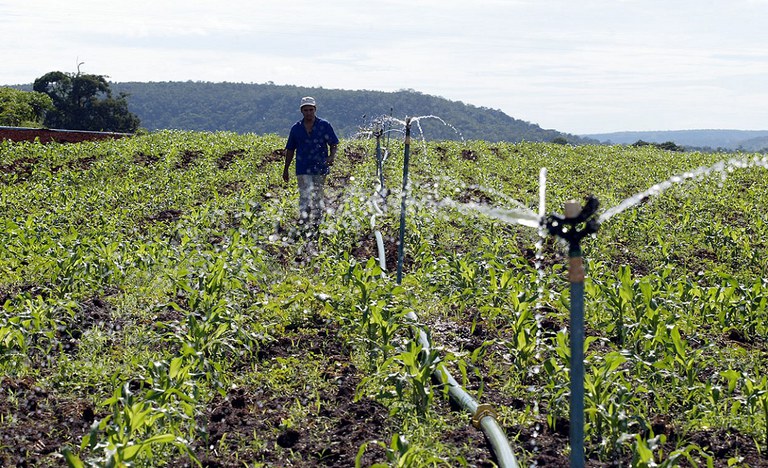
x=269, y=108
x=728, y=140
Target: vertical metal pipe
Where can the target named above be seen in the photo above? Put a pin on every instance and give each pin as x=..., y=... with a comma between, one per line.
x=576, y=277
x=401, y=244
x=577, y=223
x=379, y=165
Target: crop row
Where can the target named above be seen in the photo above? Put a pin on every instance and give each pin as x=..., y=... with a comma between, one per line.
x=158, y=289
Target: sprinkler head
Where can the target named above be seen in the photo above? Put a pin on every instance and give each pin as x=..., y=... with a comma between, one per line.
x=576, y=224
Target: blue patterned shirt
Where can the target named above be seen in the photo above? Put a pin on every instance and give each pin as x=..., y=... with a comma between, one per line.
x=312, y=148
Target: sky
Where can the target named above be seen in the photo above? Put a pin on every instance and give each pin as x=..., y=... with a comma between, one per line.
x=581, y=67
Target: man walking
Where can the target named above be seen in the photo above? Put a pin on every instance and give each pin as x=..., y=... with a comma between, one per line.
x=310, y=140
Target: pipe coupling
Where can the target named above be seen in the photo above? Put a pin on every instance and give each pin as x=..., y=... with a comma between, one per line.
x=576, y=272
x=482, y=411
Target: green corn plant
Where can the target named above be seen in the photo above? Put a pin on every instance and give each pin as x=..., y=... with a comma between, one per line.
x=382, y=326
x=401, y=454
x=555, y=388
x=124, y=435
x=506, y=286
x=471, y=361
x=620, y=297
x=739, y=307
x=605, y=399
x=523, y=345
x=724, y=399
x=27, y=324
x=464, y=274
x=684, y=357
x=756, y=392
x=556, y=377
x=413, y=377
x=373, y=312
x=643, y=454
x=13, y=341
x=212, y=328
x=172, y=385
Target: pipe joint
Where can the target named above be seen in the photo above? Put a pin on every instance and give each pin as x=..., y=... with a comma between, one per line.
x=482, y=411
x=577, y=223
x=407, y=130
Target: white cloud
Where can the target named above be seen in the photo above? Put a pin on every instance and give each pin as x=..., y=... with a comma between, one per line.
x=589, y=66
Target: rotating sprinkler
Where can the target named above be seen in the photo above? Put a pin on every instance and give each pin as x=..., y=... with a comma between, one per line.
x=577, y=223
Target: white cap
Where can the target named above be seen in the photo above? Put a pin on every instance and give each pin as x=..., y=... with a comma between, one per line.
x=307, y=101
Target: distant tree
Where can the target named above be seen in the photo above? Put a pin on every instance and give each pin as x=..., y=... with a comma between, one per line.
x=23, y=108
x=560, y=141
x=667, y=145
x=85, y=102
x=670, y=146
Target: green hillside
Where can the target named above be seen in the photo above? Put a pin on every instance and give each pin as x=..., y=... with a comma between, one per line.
x=267, y=108
x=743, y=140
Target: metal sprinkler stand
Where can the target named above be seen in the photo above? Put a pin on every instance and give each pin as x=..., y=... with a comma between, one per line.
x=378, y=132
x=577, y=223
x=406, y=158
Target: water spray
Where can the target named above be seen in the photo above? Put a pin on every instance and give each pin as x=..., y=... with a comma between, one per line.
x=577, y=223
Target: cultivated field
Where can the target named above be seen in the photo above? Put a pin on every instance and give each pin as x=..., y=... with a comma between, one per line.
x=159, y=307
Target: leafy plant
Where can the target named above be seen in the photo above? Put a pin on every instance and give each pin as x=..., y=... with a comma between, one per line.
x=126, y=432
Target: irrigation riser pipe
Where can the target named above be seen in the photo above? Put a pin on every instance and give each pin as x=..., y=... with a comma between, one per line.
x=576, y=278
x=379, y=161
x=577, y=223
x=401, y=237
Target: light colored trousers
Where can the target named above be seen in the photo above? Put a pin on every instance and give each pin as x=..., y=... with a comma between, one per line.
x=311, y=197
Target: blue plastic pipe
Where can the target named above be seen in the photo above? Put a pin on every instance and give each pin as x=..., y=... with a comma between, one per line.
x=576, y=277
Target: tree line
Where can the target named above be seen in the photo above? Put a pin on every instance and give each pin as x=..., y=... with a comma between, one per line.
x=269, y=108
x=86, y=102
x=68, y=101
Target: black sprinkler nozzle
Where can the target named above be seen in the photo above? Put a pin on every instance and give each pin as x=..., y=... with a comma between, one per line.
x=575, y=228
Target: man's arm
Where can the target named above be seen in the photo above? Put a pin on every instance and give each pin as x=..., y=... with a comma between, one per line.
x=332, y=156
x=288, y=159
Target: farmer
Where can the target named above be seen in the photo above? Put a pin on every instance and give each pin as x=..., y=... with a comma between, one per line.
x=310, y=140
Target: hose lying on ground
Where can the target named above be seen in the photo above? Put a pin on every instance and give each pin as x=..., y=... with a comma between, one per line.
x=483, y=415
